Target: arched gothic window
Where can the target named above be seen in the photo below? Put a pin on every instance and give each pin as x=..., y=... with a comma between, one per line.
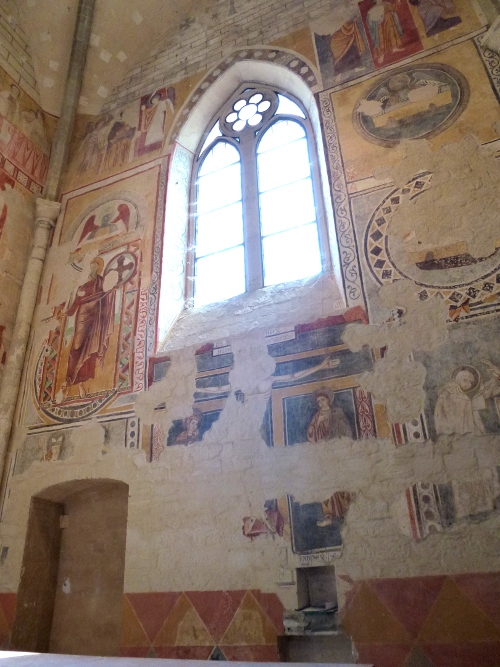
x=258, y=214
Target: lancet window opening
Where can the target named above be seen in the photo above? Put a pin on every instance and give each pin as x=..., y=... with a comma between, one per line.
x=257, y=207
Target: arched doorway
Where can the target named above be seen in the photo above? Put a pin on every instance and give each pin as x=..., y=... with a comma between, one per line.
x=71, y=590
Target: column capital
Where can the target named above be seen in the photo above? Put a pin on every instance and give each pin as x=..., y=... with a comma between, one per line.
x=47, y=212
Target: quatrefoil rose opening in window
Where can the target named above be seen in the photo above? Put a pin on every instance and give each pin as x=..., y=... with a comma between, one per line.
x=250, y=110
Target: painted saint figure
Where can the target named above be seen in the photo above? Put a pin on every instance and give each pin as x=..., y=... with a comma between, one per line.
x=119, y=143
x=153, y=120
x=94, y=311
x=93, y=146
x=329, y=421
x=10, y=103
x=437, y=15
x=347, y=46
x=385, y=28
x=191, y=430
x=460, y=401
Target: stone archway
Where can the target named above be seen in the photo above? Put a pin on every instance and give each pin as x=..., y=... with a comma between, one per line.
x=71, y=592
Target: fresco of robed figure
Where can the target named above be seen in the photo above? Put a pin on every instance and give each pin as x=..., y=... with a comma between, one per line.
x=329, y=421
x=94, y=311
x=462, y=384
x=77, y=371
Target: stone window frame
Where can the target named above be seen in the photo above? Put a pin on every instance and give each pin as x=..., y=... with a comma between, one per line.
x=173, y=298
x=248, y=160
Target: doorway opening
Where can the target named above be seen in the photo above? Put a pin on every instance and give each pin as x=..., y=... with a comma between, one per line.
x=71, y=592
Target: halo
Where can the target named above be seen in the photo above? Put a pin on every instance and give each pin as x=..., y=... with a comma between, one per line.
x=470, y=369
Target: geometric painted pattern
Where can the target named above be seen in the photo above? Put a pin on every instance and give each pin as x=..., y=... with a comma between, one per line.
x=479, y=296
x=440, y=621
x=203, y=625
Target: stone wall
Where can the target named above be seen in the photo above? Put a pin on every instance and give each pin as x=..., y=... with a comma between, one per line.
x=15, y=56
x=234, y=478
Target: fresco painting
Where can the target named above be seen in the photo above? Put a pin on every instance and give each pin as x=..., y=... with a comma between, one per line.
x=364, y=139
x=429, y=508
x=155, y=116
x=109, y=222
x=214, y=362
x=314, y=393
x=25, y=137
x=309, y=527
x=463, y=382
x=378, y=33
x=95, y=311
x=414, y=102
x=86, y=358
x=392, y=33
x=437, y=15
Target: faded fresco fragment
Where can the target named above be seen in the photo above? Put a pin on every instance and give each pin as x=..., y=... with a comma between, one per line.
x=437, y=15
x=342, y=48
x=414, y=102
x=310, y=527
x=112, y=142
x=354, y=41
x=470, y=285
x=25, y=137
x=429, y=509
x=463, y=381
x=314, y=393
x=213, y=364
x=442, y=97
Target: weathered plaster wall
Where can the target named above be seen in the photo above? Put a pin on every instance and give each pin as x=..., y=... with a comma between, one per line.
x=355, y=424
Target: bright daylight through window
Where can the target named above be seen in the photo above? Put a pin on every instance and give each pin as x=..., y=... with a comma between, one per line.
x=256, y=201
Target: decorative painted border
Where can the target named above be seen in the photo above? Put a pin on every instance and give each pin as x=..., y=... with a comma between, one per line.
x=351, y=273
x=288, y=59
x=20, y=176
x=491, y=61
x=154, y=289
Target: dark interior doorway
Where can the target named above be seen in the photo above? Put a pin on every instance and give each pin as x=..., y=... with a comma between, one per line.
x=71, y=592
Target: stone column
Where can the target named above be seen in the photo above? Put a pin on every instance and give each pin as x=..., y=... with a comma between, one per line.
x=46, y=216
x=60, y=147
